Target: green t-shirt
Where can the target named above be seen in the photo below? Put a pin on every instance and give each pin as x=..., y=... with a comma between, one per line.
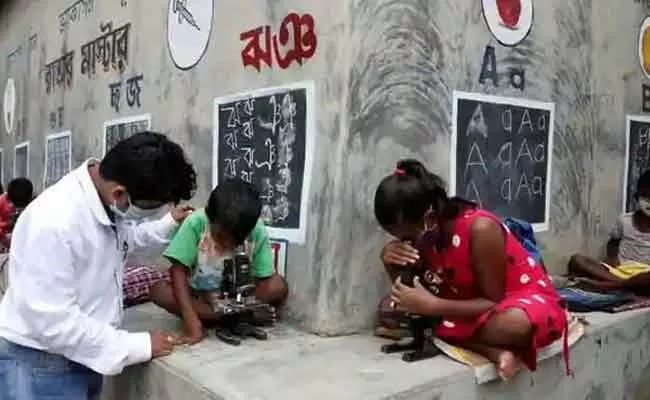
x=185, y=248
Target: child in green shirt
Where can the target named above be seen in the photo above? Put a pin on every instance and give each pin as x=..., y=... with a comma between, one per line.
x=201, y=244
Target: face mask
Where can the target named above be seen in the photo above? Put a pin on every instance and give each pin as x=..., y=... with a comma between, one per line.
x=135, y=213
x=118, y=212
x=138, y=214
x=131, y=212
x=644, y=206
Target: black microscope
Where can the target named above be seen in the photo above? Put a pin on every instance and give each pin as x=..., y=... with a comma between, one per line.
x=421, y=346
x=238, y=303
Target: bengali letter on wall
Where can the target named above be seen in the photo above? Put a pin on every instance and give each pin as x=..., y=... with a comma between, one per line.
x=265, y=137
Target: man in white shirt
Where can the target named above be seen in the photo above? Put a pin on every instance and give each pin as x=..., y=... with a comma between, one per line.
x=60, y=317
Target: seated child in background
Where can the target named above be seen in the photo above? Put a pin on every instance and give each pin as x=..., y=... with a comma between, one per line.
x=493, y=297
x=201, y=244
x=20, y=192
x=627, y=261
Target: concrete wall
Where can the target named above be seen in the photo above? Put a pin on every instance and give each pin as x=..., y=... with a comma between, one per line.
x=384, y=73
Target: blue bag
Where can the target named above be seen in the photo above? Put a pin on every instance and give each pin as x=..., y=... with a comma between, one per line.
x=523, y=231
x=579, y=300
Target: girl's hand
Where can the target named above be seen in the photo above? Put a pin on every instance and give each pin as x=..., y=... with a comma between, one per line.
x=399, y=253
x=416, y=300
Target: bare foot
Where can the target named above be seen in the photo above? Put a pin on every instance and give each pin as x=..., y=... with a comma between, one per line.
x=508, y=365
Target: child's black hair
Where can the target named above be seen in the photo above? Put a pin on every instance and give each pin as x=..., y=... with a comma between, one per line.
x=234, y=207
x=406, y=195
x=643, y=184
x=20, y=192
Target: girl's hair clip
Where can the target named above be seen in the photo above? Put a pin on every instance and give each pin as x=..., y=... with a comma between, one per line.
x=399, y=172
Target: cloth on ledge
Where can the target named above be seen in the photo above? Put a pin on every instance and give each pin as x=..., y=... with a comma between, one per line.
x=627, y=269
x=582, y=300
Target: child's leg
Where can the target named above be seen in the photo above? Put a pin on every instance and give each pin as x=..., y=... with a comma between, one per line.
x=499, y=338
x=509, y=328
x=272, y=290
x=507, y=364
x=580, y=265
x=162, y=295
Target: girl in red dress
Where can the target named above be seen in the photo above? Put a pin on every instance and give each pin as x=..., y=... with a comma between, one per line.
x=494, y=298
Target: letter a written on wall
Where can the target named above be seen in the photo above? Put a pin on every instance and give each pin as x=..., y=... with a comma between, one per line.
x=189, y=24
x=509, y=21
x=501, y=155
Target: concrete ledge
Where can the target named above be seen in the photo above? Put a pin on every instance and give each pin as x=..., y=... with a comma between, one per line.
x=608, y=362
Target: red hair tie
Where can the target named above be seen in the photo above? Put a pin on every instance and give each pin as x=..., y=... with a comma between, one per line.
x=399, y=171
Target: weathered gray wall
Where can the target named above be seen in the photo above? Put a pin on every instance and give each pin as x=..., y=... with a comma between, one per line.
x=384, y=72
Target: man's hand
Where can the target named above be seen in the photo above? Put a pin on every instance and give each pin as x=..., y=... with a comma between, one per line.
x=180, y=212
x=162, y=343
x=399, y=253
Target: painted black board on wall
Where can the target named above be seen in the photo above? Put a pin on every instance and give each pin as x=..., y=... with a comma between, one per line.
x=264, y=137
x=119, y=129
x=637, y=156
x=502, y=155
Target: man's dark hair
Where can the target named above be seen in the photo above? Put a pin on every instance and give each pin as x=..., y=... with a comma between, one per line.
x=151, y=167
x=20, y=192
x=644, y=181
x=234, y=207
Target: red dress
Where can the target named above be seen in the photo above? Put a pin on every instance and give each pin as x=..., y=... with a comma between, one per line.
x=7, y=210
x=527, y=287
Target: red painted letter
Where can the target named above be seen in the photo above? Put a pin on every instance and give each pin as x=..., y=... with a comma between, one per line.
x=252, y=54
x=304, y=39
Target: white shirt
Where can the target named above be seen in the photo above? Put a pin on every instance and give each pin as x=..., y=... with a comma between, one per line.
x=65, y=272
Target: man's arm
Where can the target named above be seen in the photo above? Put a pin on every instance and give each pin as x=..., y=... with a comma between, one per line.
x=152, y=233
x=48, y=303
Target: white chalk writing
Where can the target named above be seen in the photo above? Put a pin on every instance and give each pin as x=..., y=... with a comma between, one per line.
x=477, y=124
x=503, y=155
x=261, y=132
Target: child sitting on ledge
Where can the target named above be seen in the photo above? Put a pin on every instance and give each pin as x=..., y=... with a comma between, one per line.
x=200, y=246
x=494, y=298
x=627, y=261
